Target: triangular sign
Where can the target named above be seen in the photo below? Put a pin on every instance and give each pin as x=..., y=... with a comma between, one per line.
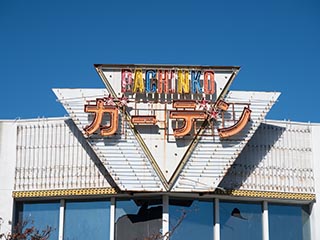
x=166, y=128
x=155, y=96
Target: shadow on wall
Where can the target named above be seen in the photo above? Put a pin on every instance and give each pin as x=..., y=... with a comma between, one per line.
x=253, y=153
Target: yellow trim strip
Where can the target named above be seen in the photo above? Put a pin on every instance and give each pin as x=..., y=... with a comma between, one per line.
x=267, y=194
x=64, y=192
x=112, y=191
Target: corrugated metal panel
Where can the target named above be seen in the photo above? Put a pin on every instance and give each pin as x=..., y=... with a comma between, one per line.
x=212, y=157
x=277, y=158
x=121, y=153
x=50, y=155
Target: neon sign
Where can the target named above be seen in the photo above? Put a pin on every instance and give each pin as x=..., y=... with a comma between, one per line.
x=99, y=109
x=188, y=117
x=177, y=99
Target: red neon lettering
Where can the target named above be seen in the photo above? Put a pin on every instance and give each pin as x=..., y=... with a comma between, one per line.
x=99, y=109
x=236, y=128
x=188, y=116
x=126, y=80
x=162, y=81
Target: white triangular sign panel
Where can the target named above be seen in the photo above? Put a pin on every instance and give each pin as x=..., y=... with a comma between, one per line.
x=120, y=153
x=213, y=156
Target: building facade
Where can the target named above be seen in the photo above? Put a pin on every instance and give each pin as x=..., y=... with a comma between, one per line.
x=163, y=152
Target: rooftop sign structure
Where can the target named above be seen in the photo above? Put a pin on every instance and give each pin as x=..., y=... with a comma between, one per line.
x=167, y=112
x=156, y=94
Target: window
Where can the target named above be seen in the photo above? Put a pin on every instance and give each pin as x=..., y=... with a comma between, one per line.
x=138, y=219
x=240, y=221
x=40, y=215
x=87, y=220
x=288, y=222
x=141, y=218
x=191, y=219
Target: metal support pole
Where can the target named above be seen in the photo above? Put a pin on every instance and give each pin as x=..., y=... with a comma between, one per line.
x=216, y=228
x=112, y=217
x=61, y=218
x=265, y=221
x=165, y=216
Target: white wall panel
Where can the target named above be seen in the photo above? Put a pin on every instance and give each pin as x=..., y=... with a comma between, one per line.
x=52, y=154
x=315, y=214
x=277, y=158
x=8, y=133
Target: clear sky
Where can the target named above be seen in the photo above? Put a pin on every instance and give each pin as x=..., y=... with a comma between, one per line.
x=54, y=44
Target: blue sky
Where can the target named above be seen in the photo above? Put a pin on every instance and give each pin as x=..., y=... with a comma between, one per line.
x=54, y=44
